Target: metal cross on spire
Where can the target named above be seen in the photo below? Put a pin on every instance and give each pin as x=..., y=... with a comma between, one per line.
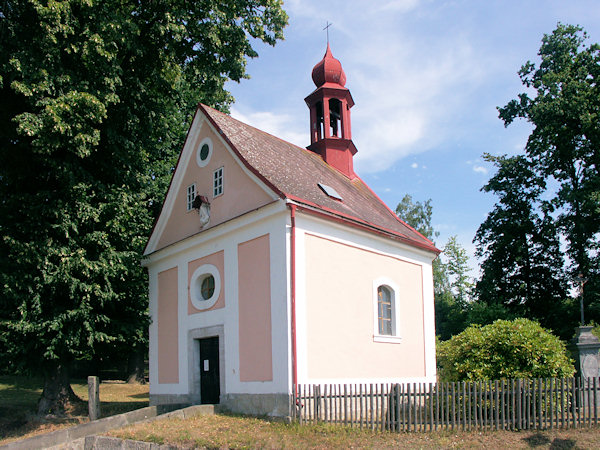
x=327, y=28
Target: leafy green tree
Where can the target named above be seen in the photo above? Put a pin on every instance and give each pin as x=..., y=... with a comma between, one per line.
x=453, y=302
x=418, y=215
x=562, y=103
x=520, y=348
x=96, y=97
x=457, y=267
x=522, y=268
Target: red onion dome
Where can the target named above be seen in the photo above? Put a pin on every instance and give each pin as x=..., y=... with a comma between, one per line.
x=328, y=70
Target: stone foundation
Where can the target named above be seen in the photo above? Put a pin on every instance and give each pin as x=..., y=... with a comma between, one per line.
x=173, y=399
x=274, y=405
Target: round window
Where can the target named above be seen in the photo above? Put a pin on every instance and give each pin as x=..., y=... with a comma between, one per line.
x=204, y=152
x=205, y=286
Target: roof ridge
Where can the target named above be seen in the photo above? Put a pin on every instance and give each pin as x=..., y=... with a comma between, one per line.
x=293, y=172
x=230, y=117
x=312, y=154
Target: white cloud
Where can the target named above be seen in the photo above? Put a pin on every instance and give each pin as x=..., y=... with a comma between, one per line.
x=411, y=88
x=414, y=165
x=480, y=169
x=406, y=91
x=283, y=126
x=397, y=5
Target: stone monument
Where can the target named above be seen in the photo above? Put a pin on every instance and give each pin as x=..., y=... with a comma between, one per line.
x=587, y=346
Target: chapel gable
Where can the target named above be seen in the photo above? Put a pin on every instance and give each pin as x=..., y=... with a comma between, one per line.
x=210, y=186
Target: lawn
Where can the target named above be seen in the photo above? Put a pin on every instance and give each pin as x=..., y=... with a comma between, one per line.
x=229, y=431
x=19, y=397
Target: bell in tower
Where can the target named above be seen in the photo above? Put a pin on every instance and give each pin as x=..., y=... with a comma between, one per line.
x=329, y=104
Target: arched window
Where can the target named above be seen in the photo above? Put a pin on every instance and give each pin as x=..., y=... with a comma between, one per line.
x=320, y=120
x=386, y=323
x=335, y=118
x=384, y=311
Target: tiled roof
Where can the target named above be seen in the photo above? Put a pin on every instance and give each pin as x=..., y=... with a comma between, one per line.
x=294, y=173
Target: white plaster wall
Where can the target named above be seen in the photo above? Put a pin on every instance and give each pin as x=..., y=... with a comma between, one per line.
x=270, y=220
x=306, y=223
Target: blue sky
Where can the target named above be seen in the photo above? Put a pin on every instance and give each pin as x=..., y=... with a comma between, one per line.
x=426, y=77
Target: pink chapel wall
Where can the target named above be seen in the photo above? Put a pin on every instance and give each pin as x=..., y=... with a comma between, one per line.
x=217, y=260
x=240, y=194
x=254, y=281
x=340, y=313
x=168, y=331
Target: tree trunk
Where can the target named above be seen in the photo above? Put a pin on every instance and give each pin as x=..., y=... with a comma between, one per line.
x=136, y=366
x=57, y=396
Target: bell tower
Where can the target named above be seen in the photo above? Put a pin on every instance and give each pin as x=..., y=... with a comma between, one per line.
x=329, y=105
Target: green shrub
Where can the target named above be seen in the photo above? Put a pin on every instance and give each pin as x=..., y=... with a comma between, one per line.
x=518, y=348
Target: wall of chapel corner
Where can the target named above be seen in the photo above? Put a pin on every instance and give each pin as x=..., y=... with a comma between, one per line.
x=241, y=194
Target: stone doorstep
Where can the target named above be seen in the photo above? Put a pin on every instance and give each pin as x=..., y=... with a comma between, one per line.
x=73, y=437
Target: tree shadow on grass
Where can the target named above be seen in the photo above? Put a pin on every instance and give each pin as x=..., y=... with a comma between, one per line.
x=142, y=395
x=537, y=440
x=15, y=422
x=541, y=440
x=563, y=444
x=112, y=408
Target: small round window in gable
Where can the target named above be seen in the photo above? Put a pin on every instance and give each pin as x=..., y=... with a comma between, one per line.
x=204, y=152
x=205, y=286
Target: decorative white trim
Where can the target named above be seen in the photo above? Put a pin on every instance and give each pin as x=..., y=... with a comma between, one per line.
x=371, y=381
x=199, y=160
x=395, y=337
x=429, y=321
x=346, y=234
x=387, y=339
x=198, y=277
x=196, y=241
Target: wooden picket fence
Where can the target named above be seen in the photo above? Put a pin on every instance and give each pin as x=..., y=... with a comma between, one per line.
x=487, y=405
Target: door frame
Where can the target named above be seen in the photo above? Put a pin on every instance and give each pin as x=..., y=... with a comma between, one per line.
x=194, y=361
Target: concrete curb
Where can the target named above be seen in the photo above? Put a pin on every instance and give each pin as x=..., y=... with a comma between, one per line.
x=105, y=442
x=62, y=438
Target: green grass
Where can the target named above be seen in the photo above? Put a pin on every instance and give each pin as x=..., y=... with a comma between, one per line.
x=19, y=397
x=231, y=431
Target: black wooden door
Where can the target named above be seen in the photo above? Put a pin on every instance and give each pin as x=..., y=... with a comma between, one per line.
x=210, y=389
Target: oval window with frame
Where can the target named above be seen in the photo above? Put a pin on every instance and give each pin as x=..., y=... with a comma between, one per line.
x=205, y=287
x=204, y=152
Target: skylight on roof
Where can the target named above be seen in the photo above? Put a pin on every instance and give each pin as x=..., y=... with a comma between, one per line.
x=330, y=191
